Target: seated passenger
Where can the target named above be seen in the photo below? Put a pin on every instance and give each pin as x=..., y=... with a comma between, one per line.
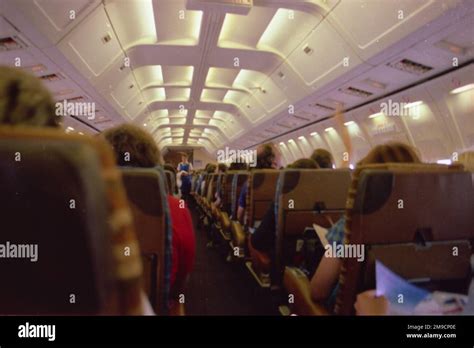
x=263, y=239
x=221, y=168
x=323, y=158
x=325, y=279
x=209, y=169
x=172, y=169
x=25, y=101
x=143, y=152
x=268, y=157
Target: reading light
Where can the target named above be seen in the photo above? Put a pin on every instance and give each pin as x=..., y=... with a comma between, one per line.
x=462, y=88
x=282, y=143
x=349, y=123
x=329, y=129
x=376, y=115
x=291, y=141
x=301, y=137
x=144, y=125
x=314, y=134
x=410, y=105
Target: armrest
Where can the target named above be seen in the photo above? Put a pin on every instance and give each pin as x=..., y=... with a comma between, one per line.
x=297, y=284
x=176, y=308
x=225, y=221
x=238, y=234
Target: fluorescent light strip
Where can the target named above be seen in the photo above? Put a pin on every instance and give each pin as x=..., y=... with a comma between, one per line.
x=462, y=88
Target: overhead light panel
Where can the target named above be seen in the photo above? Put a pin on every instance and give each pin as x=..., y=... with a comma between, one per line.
x=349, y=123
x=376, y=115
x=314, y=134
x=462, y=88
x=411, y=105
x=329, y=129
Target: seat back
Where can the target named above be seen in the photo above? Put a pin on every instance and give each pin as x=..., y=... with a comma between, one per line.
x=402, y=214
x=226, y=191
x=146, y=191
x=240, y=178
x=211, y=188
x=170, y=182
x=260, y=194
x=64, y=211
x=305, y=197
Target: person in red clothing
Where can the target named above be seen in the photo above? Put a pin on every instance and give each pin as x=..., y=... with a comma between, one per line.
x=133, y=147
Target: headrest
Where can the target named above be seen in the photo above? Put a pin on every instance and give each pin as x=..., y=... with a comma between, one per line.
x=412, y=202
x=314, y=189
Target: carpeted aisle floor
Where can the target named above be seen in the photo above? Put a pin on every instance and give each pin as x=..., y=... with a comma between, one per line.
x=217, y=287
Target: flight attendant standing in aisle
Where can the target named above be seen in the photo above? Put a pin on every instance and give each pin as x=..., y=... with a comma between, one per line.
x=184, y=175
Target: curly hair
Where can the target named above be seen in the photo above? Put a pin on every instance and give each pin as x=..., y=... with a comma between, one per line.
x=391, y=152
x=24, y=100
x=133, y=146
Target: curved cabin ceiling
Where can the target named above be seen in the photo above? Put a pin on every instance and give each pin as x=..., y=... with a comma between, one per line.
x=202, y=72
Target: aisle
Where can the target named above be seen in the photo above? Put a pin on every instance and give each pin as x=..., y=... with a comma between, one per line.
x=220, y=288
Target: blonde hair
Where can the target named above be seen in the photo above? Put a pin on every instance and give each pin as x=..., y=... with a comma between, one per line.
x=24, y=100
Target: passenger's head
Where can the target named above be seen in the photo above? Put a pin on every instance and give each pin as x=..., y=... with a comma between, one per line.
x=184, y=157
x=24, y=100
x=169, y=167
x=304, y=163
x=239, y=165
x=221, y=168
x=391, y=152
x=467, y=159
x=210, y=168
x=268, y=156
x=133, y=146
x=323, y=158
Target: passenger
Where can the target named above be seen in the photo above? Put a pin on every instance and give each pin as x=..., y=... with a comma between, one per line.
x=268, y=157
x=263, y=239
x=24, y=100
x=143, y=152
x=209, y=169
x=324, y=281
x=221, y=169
x=169, y=167
x=239, y=165
x=304, y=163
x=323, y=158
x=184, y=175
x=467, y=159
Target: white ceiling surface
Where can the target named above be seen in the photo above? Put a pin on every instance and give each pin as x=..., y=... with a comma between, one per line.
x=217, y=75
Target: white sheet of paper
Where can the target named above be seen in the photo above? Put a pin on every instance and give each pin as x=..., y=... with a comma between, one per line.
x=321, y=232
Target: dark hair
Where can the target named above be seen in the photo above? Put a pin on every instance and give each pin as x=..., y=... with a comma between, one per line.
x=133, y=146
x=323, y=158
x=210, y=168
x=24, y=100
x=222, y=167
x=266, y=155
x=168, y=166
x=241, y=165
x=304, y=163
x=391, y=152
